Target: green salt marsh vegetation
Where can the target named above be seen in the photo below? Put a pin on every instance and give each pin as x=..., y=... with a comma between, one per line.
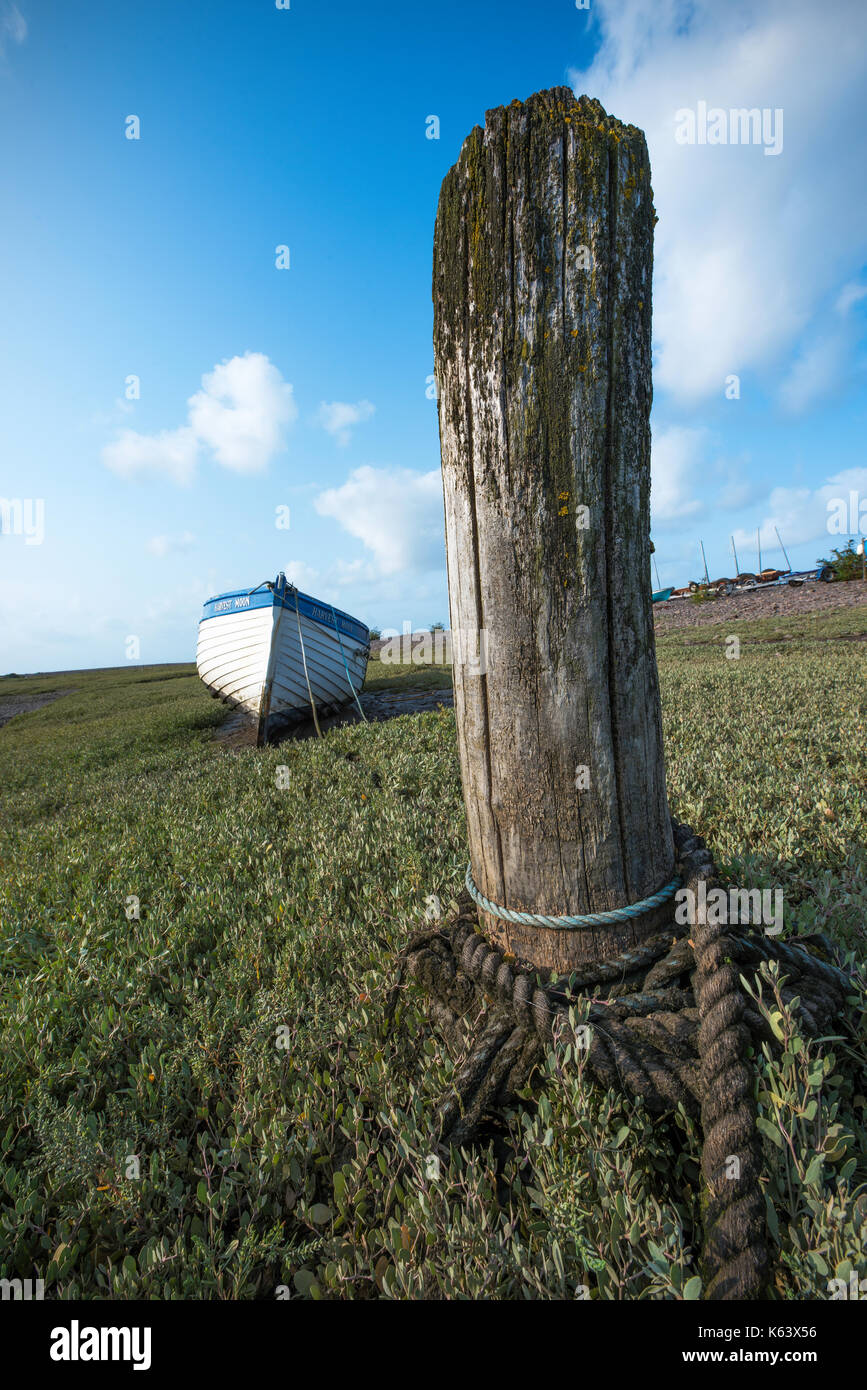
x=198, y=1098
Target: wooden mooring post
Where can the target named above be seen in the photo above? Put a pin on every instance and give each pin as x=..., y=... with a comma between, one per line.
x=542, y=310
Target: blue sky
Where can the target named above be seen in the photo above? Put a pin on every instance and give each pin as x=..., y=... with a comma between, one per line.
x=307, y=388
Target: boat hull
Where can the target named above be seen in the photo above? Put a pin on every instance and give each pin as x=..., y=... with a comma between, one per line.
x=278, y=655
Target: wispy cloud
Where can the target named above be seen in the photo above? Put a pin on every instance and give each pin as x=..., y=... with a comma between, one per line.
x=173, y=453
x=13, y=27
x=302, y=575
x=240, y=415
x=167, y=545
x=675, y=460
x=850, y=295
x=828, y=362
x=801, y=514
x=339, y=417
x=395, y=512
x=748, y=248
x=738, y=491
x=819, y=369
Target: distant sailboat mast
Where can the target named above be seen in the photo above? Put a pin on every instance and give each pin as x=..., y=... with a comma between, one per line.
x=783, y=548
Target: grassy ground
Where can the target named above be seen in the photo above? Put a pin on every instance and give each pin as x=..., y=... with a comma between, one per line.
x=384, y=676
x=197, y=1098
x=822, y=626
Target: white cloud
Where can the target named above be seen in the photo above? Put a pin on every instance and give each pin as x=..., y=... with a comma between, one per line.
x=849, y=295
x=338, y=417
x=112, y=419
x=171, y=610
x=34, y=635
x=396, y=513
x=740, y=484
x=801, y=514
x=675, y=458
x=302, y=575
x=166, y=545
x=240, y=414
x=13, y=26
x=359, y=587
x=747, y=247
x=816, y=372
x=173, y=452
x=827, y=363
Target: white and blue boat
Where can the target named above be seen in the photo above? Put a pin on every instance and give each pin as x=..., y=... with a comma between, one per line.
x=280, y=655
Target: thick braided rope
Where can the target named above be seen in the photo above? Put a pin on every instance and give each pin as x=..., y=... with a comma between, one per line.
x=647, y=1008
x=586, y=919
x=654, y=1065
x=735, y=1254
x=647, y=1037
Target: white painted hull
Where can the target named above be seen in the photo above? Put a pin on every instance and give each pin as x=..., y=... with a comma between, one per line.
x=232, y=656
x=326, y=670
x=255, y=660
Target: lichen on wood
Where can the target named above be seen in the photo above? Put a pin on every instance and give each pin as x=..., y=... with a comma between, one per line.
x=542, y=305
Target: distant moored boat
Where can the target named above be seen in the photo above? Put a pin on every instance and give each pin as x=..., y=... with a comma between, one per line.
x=661, y=595
x=280, y=654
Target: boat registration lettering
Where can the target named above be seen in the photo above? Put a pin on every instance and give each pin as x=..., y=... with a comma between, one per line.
x=325, y=617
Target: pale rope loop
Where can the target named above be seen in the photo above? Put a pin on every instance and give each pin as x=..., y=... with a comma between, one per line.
x=304, y=659
x=345, y=667
x=587, y=919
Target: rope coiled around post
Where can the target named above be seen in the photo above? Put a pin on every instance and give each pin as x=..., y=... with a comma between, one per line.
x=586, y=919
x=674, y=1029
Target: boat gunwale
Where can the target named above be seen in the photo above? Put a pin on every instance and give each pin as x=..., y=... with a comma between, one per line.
x=286, y=599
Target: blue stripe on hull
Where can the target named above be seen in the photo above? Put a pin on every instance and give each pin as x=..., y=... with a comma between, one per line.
x=238, y=601
x=244, y=600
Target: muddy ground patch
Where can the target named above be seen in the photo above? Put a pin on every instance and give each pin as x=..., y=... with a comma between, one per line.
x=13, y=705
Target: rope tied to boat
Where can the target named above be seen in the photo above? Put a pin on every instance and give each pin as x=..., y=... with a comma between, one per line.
x=304, y=660
x=675, y=1030
x=346, y=668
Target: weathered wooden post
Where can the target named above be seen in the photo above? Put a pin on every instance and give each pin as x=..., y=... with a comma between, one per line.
x=542, y=310
x=542, y=275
